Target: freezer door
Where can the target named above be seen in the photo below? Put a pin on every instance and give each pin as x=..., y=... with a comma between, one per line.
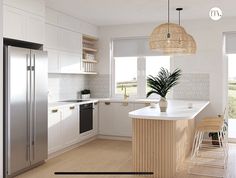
x=39, y=118
x=17, y=95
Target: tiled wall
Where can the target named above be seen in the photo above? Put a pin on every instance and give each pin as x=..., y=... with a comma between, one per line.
x=63, y=87
x=192, y=86
x=99, y=86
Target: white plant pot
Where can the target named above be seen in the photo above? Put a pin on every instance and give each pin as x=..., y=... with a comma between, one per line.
x=163, y=104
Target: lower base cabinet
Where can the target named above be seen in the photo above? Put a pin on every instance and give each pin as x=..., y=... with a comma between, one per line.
x=63, y=127
x=54, y=129
x=114, y=118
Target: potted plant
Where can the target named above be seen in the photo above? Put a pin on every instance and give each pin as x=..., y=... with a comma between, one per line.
x=162, y=83
x=85, y=94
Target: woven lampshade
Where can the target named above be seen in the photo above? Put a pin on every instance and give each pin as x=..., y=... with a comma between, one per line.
x=176, y=43
x=179, y=42
x=191, y=46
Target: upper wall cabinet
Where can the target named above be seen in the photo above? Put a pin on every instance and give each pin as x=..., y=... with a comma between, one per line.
x=71, y=23
x=21, y=24
x=61, y=39
x=36, y=7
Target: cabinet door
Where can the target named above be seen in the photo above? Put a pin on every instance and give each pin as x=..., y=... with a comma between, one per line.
x=106, y=114
x=95, y=118
x=53, y=61
x=33, y=6
x=35, y=29
x=122, y=124
x=14, y=23
x=69, y=125
x=51, y=36
x=69, y=62
x=54, y=129
x=70, y=41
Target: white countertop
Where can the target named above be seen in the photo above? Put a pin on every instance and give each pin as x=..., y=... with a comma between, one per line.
x=177, y=110
x=58, y=103
x=112, y=100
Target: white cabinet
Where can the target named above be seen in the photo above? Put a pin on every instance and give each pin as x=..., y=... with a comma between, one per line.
x=20, y=25
x=69, y=125
x=61, y=39
x=54, y=129
x=35, y=29
x=65, y=50
x=71, y=23
x=106, y=114
x=14, y=23
x=53, y=61
x=70, y=41
x=122, y=123
x=51, y=36
x=69, y=62
x=63, y=127
x=36, y=7
x=95, y=118
x=114, y=119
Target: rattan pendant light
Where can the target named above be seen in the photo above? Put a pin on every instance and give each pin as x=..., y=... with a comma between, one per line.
x=190, y=46
x=170, y=38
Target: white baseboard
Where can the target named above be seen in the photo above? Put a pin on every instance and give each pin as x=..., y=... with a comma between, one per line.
x=110, y=137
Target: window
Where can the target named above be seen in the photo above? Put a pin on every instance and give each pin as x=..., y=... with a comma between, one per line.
x=126, y=75
x=132, y=72
x=132, y=62
x=154, y=63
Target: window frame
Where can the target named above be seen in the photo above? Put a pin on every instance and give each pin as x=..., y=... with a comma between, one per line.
x=141, y=76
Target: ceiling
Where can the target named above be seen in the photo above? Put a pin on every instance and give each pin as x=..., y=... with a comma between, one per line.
x=115, y=12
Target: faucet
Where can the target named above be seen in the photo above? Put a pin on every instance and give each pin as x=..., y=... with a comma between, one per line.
x=125, y=93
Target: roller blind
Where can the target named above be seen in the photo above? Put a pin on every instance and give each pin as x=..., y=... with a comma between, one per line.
x=230, y=43
x=131, y=47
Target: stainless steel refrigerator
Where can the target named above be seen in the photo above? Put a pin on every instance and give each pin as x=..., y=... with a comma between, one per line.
x=26, y=105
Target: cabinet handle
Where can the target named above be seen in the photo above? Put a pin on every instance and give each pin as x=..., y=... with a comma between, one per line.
x=107, y=103
x=54, y=110
x=72, y=107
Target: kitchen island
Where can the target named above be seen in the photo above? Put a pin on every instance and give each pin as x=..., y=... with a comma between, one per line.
x=162, y=141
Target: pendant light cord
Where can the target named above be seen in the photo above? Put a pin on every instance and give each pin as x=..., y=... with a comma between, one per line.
x=179, y=18
x=168, y=34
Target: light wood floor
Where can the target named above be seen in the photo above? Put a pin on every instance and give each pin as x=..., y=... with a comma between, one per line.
x=105, y=155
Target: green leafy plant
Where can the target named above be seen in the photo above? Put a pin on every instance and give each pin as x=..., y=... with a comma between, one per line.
x=163, y=82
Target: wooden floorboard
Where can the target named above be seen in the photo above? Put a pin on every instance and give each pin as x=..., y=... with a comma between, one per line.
x=105, y=155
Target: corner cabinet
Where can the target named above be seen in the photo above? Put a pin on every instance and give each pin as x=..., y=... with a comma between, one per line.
x=114, y=120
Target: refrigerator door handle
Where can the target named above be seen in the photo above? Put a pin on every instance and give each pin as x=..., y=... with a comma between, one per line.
x=33, y=104
x=28, y=95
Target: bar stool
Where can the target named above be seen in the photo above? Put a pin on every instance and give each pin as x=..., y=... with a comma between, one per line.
x=206, y=154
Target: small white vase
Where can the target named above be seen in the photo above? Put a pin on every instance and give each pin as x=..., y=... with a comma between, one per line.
x=163, y=104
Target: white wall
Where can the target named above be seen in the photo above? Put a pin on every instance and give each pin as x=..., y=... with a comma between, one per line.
x=1, y=91
x=209, y=58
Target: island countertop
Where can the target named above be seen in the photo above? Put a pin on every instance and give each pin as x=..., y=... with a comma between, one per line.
x=177, y=110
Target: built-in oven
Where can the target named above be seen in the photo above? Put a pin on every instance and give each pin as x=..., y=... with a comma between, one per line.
x=86, y=117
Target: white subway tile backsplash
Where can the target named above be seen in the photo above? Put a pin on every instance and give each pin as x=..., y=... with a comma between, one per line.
x=62, y=87
x=192, y=86
x=99, y=86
